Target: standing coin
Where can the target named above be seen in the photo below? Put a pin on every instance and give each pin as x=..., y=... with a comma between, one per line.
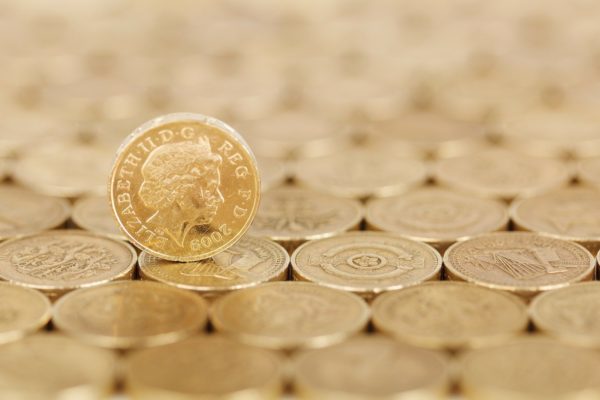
x=449, y=315
x=520, y=262
x=366, y=263
x=134, y=314
x=56, y=262
x=93, y=214
x=289, y=315
x=247, y=263
x=184, y=187
x=23, y=311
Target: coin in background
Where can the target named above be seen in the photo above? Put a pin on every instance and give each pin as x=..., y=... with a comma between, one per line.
x=184, y=187
x=94, y=214
x=23, y=311
x=588, y=171
x=273, y=172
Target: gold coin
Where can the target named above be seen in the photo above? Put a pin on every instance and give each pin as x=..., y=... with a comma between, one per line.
x=23, y=311
x=51, y=366
x=93, y=214
x=289, y=315
x=571, y=214
x=221, y=369
x=291, y=216
x=371, y=367
x=501, y=174
x=367, y=263
x=531, y=368
x=247, y=263
x=23, y=212
x=436, y=216
x=184, y=187
x=131, y=314
x=588, y=171
x=449, y=315
x=520, y=262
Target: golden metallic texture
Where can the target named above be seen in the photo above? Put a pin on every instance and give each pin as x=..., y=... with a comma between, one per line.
x=23, y=311
x=93, y=214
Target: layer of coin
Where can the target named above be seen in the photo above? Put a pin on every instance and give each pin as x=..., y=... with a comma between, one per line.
x=51, y=366
x=247, y=263
x=23, y=311
x=273, y=172
x=291, y=216
x=588, y=171
x=132, y=314
x=501, y=174
x=520, y=262
x=450, y=315
x=366, y=263
x=571, y=214
x=93, y=214
x=289, y=315
x=531, y=368
x=184, y=187
x=221, y=369
x=56, y=262
x=23, y=212
x=371, y=367
x=436, y=216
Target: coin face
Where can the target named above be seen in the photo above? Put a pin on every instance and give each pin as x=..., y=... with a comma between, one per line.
x=449, y=315
x=220, y=368
x=184, y=187
x=588, y=171
x=247, y=263
x=22, y=311
x=23, y=212
x=531, y=368
x=501, y=174
x=93, y=214
x=372, y=367
x=436, y=216
x=130, y=314
x=525, y=263
x=291, y=215
x=367, y=263
x=288, y=315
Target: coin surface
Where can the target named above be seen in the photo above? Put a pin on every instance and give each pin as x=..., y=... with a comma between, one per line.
x=436, y=216
x=52, y=366
x=273, y=172
x=571, y=214
x=371, y=367
x=289, y=315
x=56, y=262
x=531, y=368
x=221, y=369
x=23, y=311
x=366, y=263
x=184, y=187
x=588, y=171
x=24, y=212
x=291, y=215
x=247, y=263
x=501, y=174
x=131, y=314
x=450, y=315
x=93, y=214
x=520, y=262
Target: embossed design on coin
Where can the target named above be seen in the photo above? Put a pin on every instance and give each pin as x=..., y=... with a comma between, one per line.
x=247, y=263
x=288, y=315
x=94, y=214
x=184, y=187
x=22, y=311
x=526, y=263
x=130, y=314
x=449, y=315
x=366, y=262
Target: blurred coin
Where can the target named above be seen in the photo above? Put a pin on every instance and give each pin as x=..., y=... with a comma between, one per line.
x=23, y=212
x=273, y=172
x=56, y=262
x=531, y=368
x=93, y=214
x=367, y=263
x=501, y=174
x=289, y=315
x=450, y=315
x=20, y=131
x=221, y=369
x=438, y=217
x=371, y=367
x=184, y=187
x=571, y=214
x=247, y=263
x=519, y=262
x=133, y=314
x=588, y=171
x=51, y=366
x=23, y=311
